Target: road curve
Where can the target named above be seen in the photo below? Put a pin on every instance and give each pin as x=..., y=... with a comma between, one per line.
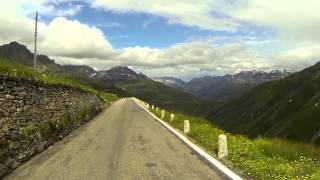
x=123, y=142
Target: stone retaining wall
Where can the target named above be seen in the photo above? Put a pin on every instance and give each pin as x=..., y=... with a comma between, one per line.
x=34, y=115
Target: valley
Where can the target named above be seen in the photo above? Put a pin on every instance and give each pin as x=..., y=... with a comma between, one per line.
x=260, y=109
x=132, y=89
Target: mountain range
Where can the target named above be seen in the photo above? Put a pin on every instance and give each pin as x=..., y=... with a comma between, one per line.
x=224, y=88
x=282, y=104
x=120, y=80
x=287, y=108
x=172, y=82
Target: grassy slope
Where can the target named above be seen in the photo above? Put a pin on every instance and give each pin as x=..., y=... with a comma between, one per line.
x=9, y=68
x=261, y=158
x=105, y=87
x=284, y=108
x=223, y=91
x=12, y=69
x=167, y=97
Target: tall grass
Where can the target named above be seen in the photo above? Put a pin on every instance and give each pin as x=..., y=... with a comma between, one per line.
x=260, y=158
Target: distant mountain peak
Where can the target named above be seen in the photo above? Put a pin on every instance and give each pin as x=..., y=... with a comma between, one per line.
x=122, y=70
x=82, y=69
x=171, y=81
x=16, y=47
x=15, y=43
x=168, y=78
x=21, y=54
x=120, y=73
x=223, y=88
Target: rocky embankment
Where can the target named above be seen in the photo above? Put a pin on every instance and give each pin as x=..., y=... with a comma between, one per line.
x=34, y=115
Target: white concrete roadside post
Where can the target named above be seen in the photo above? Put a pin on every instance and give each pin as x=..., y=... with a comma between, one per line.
x=157, y=110
x=222, y=146
x=163, y=113
x=186, y=127
x=152, y=107
x=171, y=118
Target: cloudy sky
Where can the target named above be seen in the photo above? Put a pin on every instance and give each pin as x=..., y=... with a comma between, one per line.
x=181, y=38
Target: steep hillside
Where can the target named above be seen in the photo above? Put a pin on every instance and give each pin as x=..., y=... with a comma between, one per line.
x=21, y=55
x=224, y=88
x=81, y=69
x=154, y=92
x=18, y=53
x=120, y=74
x=287, y=108
x=171, y=81
x=196, y=84
x=167, y=97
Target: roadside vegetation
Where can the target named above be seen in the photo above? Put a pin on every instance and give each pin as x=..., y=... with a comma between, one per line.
x=260, y=158
x=8, y=68
x=17, y=70
x=109, y=97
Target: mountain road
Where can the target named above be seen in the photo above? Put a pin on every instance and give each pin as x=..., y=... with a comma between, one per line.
x=123, y=142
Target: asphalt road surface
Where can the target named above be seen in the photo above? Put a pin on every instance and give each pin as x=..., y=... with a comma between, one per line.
x=123, y=142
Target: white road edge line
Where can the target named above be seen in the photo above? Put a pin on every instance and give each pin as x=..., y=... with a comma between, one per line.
x=202, y=153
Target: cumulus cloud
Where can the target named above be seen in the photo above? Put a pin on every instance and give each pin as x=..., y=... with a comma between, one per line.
x=194, y=59
x=70, y=38
x=14, y=25
x=60, y=38
x=72, y=42
x=182, y=60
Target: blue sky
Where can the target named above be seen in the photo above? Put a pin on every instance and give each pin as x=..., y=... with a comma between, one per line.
x=133, y=29
x=181, y=38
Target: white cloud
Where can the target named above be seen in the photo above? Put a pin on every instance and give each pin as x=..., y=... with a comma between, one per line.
x=72, y=42
x=114, y=24
x=68, y=38
x=61, y=37
x=49, y=9
x=295, y=20
x=197, y=13
x=53, y=11
x=14, y=25
x=298, y=58
x=185, y=60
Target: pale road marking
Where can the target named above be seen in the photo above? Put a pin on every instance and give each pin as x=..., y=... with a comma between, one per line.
x=202, y=153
